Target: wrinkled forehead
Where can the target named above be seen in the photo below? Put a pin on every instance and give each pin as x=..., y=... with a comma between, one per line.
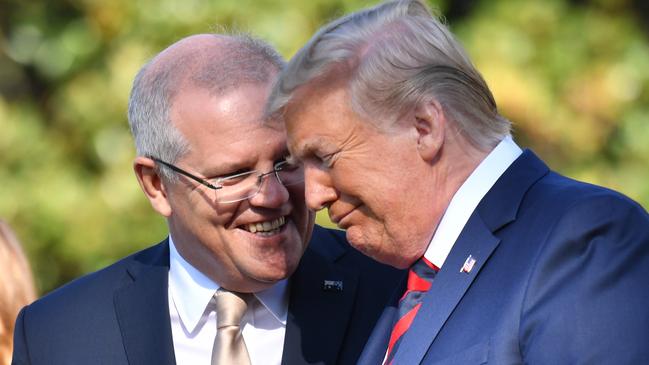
x=250, y=145
x=250, y=135
x=256, y=135
x=254, y=140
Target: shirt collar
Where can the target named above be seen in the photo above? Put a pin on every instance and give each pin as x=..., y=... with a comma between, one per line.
x=467, y=198
x=275, y=300
x=192, y=291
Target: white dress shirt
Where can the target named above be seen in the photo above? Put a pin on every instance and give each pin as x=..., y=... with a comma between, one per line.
x=193, y=319
x=467, y=198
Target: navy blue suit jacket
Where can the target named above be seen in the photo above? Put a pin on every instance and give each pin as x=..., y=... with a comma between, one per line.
x=561, y=277
x=120, y=315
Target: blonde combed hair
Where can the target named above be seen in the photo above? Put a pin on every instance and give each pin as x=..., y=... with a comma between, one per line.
x=16, y=288
x=393, y=57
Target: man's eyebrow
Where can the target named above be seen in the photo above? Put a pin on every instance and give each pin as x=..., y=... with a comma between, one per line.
x=226, y=167
x=307, y=147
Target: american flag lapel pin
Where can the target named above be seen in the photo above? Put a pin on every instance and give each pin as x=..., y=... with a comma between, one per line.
x=468, y=265
x=332, y=285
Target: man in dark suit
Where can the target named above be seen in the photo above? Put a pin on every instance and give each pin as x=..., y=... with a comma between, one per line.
x=238, y=229
x=510, y=262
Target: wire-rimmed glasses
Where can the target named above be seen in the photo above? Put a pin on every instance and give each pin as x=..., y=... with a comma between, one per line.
x=245, y=185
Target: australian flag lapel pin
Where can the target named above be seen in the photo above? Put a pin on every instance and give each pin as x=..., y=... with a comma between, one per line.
x=469, y=263
x=332, y=285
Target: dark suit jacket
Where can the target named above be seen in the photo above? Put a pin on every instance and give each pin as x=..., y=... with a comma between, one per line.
x=561, y=277
x=120, y=315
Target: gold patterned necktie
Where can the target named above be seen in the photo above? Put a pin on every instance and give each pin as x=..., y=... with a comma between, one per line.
x=229, y=347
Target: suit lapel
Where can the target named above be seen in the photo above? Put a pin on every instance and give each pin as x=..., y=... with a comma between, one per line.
x=317, y=317
x=142, y=309
x=447, y=290
x=377, y=343
x=498, y=208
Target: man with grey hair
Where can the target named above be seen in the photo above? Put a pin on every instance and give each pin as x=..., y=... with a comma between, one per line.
x=510, y=262
x=235, y=281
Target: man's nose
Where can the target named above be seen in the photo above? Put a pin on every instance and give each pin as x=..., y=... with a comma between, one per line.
x=318, y=187
x=272, y=193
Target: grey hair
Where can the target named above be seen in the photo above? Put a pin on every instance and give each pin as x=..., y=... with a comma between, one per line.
x=395, y=56
x=238, y=59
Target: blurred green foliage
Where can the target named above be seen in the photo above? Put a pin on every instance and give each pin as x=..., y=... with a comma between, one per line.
x=573, y=76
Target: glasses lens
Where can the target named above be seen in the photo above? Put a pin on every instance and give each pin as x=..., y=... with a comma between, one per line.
x=245, y=186
x=237, y=188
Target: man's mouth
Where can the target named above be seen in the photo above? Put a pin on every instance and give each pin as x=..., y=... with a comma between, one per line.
x=266, y=228
x=337, y=218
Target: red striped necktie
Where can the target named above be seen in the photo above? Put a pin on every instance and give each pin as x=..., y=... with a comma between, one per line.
x=420, y=278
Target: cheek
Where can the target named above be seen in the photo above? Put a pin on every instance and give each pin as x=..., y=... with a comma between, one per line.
x=370, y=177
x=221, y=214
x=348, y=179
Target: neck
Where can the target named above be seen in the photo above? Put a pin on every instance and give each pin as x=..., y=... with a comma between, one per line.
x=456, y=162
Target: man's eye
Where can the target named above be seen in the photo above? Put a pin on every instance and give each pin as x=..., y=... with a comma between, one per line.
x=233, y=178
x=328, y=159
x=323, y=161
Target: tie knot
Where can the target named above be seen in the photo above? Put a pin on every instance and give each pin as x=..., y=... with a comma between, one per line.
x=421, y=275
x=230, y=307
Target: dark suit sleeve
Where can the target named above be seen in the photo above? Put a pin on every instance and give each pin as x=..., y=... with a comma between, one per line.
x=588, y=296
x=20, y=353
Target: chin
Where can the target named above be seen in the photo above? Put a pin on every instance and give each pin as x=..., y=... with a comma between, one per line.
x=269, y=280
x=369, y=248
x=274, y=273
x=373, y=252
x=394, y=258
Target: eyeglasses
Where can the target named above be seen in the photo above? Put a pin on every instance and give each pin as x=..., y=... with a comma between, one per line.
x=245, y=185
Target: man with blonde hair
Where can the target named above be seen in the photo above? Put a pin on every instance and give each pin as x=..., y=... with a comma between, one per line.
x=510, y=262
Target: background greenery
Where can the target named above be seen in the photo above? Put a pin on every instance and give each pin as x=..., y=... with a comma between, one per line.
x=573, y=76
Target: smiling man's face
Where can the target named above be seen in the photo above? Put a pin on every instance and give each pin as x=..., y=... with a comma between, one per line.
x=226, y=136
x=370, y=180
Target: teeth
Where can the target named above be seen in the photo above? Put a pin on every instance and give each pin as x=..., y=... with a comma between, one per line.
x=266, y=227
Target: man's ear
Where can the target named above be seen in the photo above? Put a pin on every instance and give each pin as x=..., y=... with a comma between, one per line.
x=430, y=123
x=152, y=185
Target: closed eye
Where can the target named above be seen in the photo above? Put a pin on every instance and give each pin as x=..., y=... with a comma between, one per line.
x=233, y=178
x=328, y=160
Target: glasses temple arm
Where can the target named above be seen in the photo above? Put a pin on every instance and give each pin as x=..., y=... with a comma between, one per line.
x=189, y=175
